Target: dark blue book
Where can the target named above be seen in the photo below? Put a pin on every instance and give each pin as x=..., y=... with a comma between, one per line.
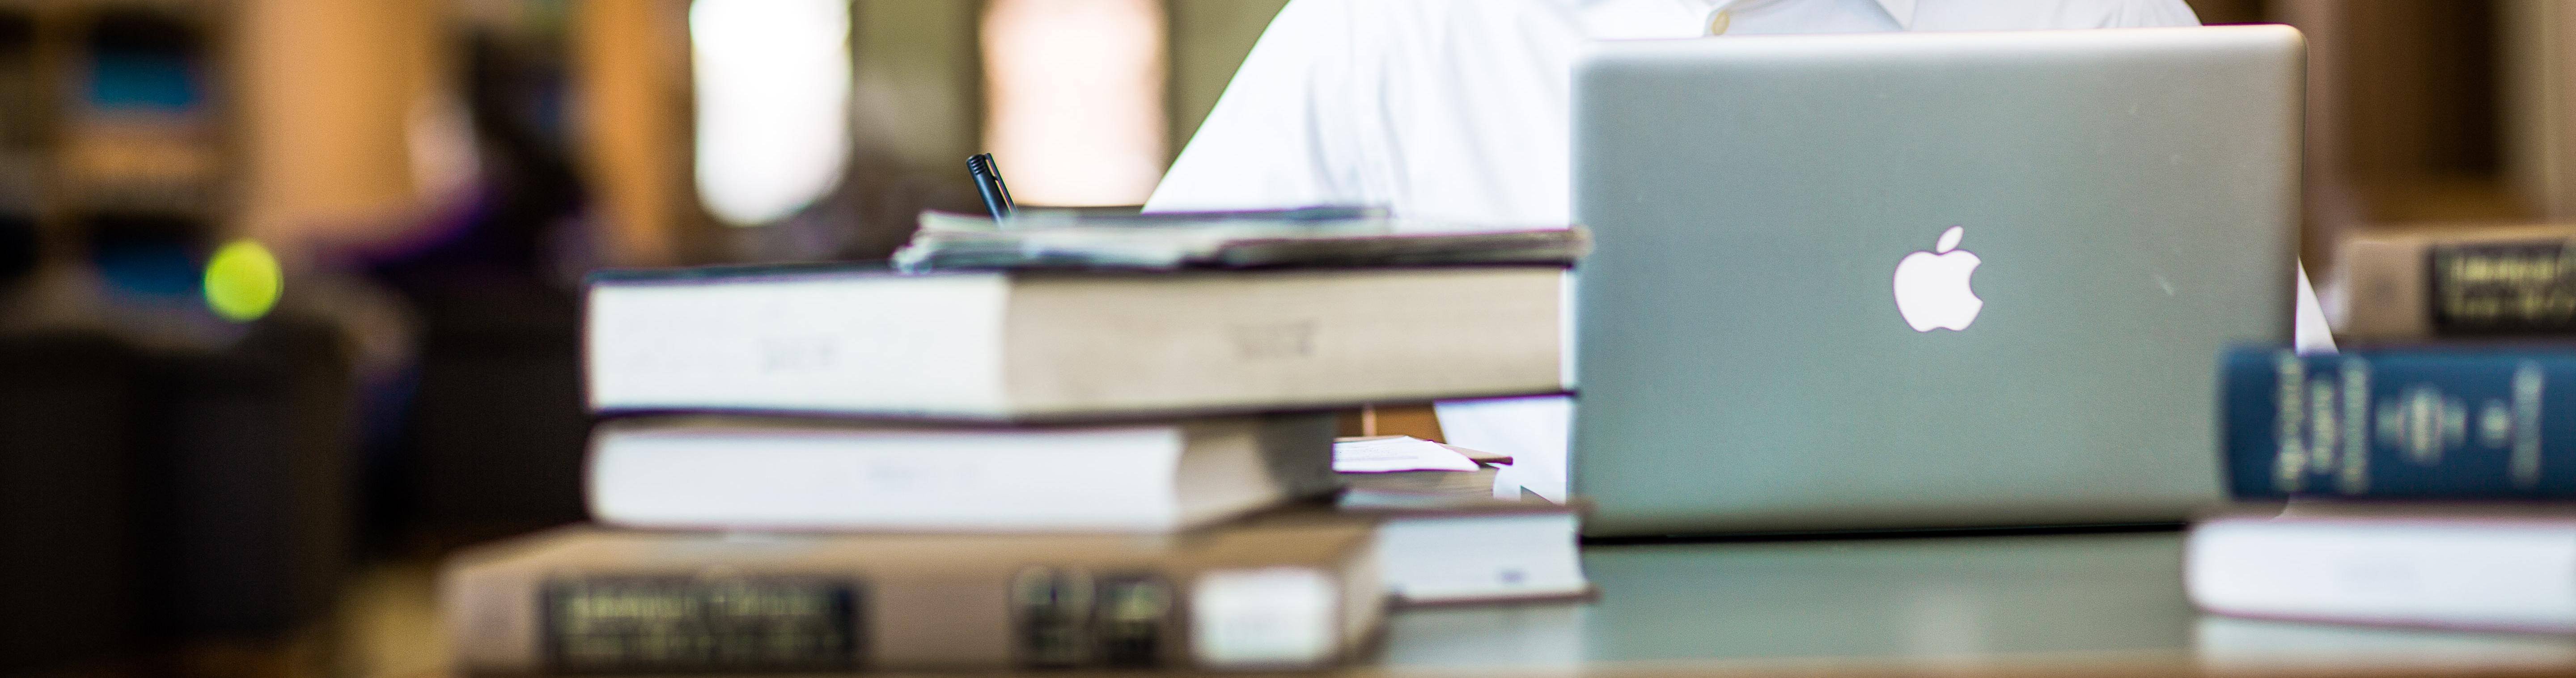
x=2449, y=423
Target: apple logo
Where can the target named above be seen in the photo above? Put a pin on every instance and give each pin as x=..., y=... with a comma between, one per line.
x=1932, y=287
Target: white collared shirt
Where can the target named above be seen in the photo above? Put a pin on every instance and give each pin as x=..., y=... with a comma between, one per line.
x=1457, y=111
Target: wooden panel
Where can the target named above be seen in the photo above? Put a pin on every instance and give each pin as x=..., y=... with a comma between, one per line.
x=2406, y=116
x=2537, y=77
x=328, y=92
x=630, y=60
x=2421, y=88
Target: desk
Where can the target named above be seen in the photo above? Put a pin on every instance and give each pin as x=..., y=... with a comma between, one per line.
x=2024, y=605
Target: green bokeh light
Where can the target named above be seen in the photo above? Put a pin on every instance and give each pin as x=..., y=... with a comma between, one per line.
x=243, y=281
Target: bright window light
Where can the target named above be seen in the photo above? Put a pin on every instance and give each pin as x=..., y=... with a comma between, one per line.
x=1076, y=99
x=773, y=90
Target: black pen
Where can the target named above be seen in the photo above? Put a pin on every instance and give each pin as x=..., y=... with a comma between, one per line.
x=988, y=181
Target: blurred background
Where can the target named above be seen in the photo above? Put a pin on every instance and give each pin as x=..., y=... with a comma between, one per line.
x=288, y=288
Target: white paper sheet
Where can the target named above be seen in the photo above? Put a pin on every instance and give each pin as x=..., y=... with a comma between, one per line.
x=1400, y=453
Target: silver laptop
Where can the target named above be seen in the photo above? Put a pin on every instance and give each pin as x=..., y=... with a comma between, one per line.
x=1924, y=280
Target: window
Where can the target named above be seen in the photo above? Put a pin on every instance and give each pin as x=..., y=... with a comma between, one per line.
x=773, y=95
x=1076, y=99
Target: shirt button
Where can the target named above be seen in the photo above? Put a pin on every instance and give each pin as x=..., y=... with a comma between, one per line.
x=1718, y=20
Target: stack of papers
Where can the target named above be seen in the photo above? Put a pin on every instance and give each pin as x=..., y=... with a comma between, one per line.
x=1315, y=236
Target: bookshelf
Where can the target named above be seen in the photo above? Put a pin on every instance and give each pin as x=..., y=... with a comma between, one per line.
x=2430, y=112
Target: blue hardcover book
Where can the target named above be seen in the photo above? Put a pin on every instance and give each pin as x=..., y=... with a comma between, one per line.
x=2451, y=423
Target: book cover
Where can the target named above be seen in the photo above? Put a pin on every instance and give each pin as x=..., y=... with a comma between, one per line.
x=591, y=600
x=2426, y=423
x=2457, y=282
x=835, y=474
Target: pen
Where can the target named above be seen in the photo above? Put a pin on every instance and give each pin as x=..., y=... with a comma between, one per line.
x=988, y=181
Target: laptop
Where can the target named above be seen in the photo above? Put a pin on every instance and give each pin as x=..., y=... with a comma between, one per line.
x=1927, y=280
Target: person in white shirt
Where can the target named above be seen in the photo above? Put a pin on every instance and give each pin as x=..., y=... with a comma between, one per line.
x=1458, y=111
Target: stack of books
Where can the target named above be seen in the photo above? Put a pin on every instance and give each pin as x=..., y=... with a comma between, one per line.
x=1008, y=464
x=2428, y=470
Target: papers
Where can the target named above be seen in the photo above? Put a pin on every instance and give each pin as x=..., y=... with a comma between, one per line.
x=1308, y=237
x=1397, y=453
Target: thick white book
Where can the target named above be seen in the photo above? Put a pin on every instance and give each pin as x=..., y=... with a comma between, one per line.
x=749, y=474
x=2422, y=566
x=1433, y=552
x=1055, y=346
x=1440, y=549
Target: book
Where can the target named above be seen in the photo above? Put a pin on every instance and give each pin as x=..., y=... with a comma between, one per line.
x=2484, y=281
x=2465, y=567
x=592, y=600
x=1464, y=484
x=1037, y=346
x=1446, y=549
x=737, y=473
x=1314, y=236
x=1409, y=465
x=2422, y=423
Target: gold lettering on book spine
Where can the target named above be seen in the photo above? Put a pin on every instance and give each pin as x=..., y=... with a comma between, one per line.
x=1067, y=618
x=685, y=624
x=2289, y=464
x=2355, y=477
x=2526, y=424
x=2507, y=283
x=1051, y=612
x=2422, y=423
x=2323, y=409
x=2495, y=424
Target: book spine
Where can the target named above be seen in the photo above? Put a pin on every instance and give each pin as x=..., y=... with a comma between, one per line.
x=2417, y=287
x=1035, y=347
x=2502, y=288
x=665, y=624
x=2415, y=424
x=1054, y=618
